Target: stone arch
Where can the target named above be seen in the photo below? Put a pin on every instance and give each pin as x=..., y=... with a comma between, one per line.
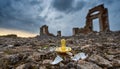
x=102, y=15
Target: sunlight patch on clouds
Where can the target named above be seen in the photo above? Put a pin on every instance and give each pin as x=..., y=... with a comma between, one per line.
x=19, y=33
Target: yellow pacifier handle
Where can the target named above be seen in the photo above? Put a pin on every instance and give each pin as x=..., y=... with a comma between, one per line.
x=63, y=44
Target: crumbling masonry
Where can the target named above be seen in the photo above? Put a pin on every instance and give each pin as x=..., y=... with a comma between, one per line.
x=44, y=31
x=59, y=33
x=103, y=20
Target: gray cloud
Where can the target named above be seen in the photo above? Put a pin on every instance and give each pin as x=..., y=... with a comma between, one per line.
x=68, y=5
x=108, y=1
x=62, y=5
x=20, y=14
x=59, y=17
x=79, y=5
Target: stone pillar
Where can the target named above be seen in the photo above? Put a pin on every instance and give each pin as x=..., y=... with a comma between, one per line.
x=89, y=25
x=105, y=20
x=100, y=23
x=59, y=33
x=41, y=31
x=75, y=31
x=44, y=30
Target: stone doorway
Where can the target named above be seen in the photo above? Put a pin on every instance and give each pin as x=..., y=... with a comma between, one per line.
x=98, y=12
x=96, y=25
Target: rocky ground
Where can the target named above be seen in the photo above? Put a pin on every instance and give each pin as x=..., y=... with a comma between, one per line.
x=103, y=50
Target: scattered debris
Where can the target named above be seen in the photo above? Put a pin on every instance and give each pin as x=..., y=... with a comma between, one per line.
x=101, y=52
x=79, y=56
x=66, y=51
x=57, y=60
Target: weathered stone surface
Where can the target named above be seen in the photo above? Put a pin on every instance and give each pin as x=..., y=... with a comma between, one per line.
x=113, y=51
x=88, y=65
x=116, y=63
x=102, y=49
x=46, y=61
x=110, y=57
x=28, y=66
x=72, y=65
x=36, y=56
x=100, y=60
x=13, y=59
x=42, y=67
x=21, y=66
x=106, y=50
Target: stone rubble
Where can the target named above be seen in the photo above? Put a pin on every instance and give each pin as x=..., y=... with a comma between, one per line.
x=103, y=50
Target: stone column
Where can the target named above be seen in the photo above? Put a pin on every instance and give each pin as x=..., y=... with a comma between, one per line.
x=59, y=33
x=75, y=31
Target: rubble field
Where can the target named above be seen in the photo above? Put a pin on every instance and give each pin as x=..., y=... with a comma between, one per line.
x=103, y=50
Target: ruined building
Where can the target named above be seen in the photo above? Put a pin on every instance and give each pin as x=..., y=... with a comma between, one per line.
x=59, y=33
x=44, y=31
x=102, y=15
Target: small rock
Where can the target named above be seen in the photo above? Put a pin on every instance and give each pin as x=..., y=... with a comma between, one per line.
x=10, y=46
x=21, y=66
x=86, y=46
x=71, y=65
x=17, y=44
x=113, y=51
x=35, y=56
x=42, y=67
x=61, y=65
x=70, y=41
x=13, y=59
x=47, y=61
x=110, y=57
x=28, y=66
x=116, y=63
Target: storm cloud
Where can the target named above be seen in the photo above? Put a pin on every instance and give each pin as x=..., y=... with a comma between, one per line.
x=20, y=14
x=29, y=15
x=68, y=5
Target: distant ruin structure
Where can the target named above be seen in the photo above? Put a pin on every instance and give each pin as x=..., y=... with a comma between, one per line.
x=59, y=33
x=102, y=15
x=44, y=31
x=75, y=31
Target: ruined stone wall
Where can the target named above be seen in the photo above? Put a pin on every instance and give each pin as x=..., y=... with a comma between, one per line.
x=44, y=31
x=75, y=31
x=59, y=33
x=102, y=15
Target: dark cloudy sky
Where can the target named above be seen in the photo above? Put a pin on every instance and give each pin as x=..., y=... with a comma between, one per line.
x=29, y=15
